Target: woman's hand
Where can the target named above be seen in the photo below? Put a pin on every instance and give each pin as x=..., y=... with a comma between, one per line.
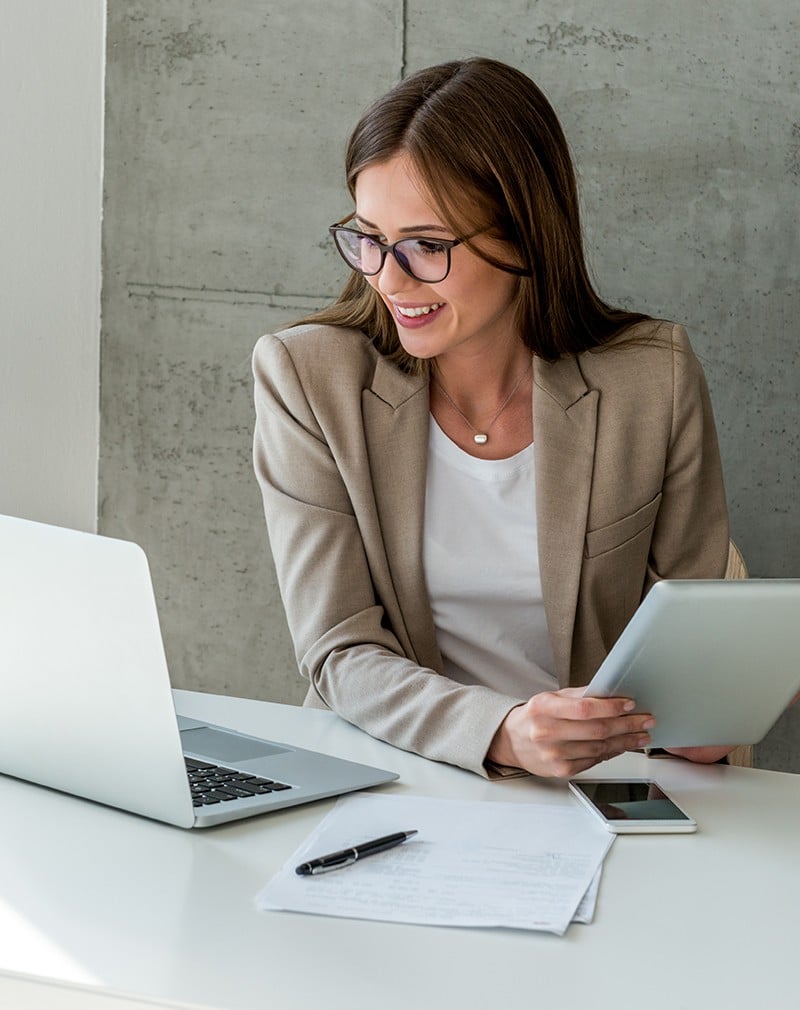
x=701, y=755
x=561, y=733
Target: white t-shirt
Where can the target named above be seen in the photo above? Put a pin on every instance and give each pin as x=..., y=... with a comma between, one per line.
x=481, y=565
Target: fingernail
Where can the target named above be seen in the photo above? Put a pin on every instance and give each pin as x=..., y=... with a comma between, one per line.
x=643, y=741
x=629, y=706
x=649, y=724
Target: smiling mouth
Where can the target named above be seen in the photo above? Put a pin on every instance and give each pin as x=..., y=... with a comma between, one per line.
x=418, y=310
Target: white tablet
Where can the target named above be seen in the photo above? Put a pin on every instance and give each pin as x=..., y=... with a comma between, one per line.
x=715, y=662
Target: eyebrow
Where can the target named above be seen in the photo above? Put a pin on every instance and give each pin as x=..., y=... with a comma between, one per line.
x=414, y=230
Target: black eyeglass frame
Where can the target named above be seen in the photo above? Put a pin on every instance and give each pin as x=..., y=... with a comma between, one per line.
x=446, y=243
x=385, y=248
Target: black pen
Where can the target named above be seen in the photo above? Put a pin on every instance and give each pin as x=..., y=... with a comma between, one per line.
x=346, y=857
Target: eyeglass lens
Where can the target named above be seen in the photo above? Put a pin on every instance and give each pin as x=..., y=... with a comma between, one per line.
x=425, y=259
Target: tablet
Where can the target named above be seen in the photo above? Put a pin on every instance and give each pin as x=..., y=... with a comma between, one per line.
x=714, y=661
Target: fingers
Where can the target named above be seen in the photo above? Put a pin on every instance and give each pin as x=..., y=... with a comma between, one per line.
x=570, y=717
x=561, y=733
x=600, y=730
x=567, y=752
x=570, y=703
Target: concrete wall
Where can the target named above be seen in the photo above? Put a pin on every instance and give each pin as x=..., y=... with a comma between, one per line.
x=225, y=130
x=52, y=59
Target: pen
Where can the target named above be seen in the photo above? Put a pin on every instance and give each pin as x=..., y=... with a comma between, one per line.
x=345, y=857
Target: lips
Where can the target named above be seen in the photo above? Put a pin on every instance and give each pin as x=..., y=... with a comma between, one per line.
x=416, y=315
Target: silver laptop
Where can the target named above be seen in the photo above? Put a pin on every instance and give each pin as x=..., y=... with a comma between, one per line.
x=714, y=661
x=86, y=705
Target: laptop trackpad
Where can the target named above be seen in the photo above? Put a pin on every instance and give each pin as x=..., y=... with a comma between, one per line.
x=222, y=746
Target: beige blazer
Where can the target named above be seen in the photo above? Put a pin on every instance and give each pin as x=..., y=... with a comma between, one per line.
x=629, y=491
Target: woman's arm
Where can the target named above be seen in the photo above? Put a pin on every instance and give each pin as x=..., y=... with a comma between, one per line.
x=560, y=732
x=343, y=641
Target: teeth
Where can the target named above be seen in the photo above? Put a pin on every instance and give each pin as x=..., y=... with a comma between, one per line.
x=422, y=310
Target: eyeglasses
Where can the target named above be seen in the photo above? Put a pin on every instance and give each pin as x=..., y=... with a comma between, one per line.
x=424, y=259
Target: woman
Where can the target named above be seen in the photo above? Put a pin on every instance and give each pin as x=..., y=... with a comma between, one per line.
x=473, y=469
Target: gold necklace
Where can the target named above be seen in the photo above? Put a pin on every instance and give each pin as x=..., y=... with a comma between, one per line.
x=481, y=437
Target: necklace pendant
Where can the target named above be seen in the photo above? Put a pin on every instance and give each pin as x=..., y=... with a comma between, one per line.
x=480, y=438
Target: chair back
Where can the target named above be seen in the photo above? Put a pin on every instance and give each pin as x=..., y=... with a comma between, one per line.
x=737, y=569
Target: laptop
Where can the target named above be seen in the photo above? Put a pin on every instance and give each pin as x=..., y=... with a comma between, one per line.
x=714, y=661
x=86, y=705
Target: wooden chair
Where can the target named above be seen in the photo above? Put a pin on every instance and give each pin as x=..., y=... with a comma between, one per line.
x=737, y=569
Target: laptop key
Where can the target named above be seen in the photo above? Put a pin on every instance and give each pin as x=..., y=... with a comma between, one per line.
x=238, y=790
x=220, y=794
x=211, y=783
x=244, y=788
x=269, y=785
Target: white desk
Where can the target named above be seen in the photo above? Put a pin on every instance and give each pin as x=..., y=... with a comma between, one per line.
x=94, y=896
x=23, y=992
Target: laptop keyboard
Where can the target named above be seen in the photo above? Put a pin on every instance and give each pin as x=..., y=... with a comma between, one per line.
x=216, y=784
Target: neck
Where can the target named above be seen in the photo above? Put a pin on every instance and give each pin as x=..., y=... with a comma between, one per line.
x=479, y=383
x=498, y=421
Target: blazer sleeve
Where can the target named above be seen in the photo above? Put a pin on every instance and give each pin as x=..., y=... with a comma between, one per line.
x=690, y=537
x=343, y=642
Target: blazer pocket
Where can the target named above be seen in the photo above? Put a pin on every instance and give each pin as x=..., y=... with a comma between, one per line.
x=607, y=538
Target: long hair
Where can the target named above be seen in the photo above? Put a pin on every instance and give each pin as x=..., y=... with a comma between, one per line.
x=490, y=153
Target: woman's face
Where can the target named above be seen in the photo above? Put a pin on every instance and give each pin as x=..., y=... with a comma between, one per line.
x=465, y=314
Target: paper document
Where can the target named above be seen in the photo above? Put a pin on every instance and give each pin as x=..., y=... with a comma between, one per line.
x=585, y=911
x=518, y=865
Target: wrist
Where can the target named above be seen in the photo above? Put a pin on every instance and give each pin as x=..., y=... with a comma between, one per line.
x=501, y=750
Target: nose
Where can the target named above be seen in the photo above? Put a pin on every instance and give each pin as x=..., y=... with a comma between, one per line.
x=393, y=279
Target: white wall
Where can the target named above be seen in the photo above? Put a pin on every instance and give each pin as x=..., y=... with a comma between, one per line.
x=52, y=61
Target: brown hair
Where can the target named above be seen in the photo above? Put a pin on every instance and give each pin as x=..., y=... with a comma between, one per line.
x=491, y=154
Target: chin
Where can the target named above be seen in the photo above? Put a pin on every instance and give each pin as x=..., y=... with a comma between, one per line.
x=421, y=349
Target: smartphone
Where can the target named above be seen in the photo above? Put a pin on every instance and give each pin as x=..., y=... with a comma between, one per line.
x=631, y=806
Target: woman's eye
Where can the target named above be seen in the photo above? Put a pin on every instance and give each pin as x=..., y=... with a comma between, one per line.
x=429, y=247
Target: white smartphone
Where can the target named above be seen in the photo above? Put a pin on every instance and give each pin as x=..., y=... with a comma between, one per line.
x=632, y=806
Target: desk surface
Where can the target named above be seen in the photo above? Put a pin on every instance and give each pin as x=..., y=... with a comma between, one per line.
x=97, y=897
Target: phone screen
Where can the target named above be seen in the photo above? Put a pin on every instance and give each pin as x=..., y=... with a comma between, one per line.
x=630, y=801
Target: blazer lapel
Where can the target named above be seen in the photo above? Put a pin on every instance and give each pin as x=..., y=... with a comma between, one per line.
x=396, y=413
x=396, y=423
x=565, y=422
